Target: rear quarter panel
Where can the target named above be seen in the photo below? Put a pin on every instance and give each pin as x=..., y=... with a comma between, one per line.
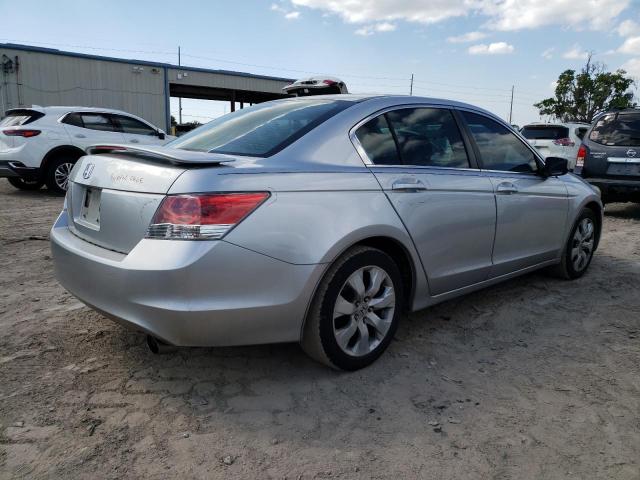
x=311, y=217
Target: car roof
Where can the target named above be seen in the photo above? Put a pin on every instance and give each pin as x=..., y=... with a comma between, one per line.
x=60, y=110
x=397, y=99
x=557, y=124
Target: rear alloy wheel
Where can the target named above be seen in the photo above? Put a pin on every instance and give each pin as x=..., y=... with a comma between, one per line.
x=356, y=309
x=23, y=184
x=57, y=177
x=580, y=247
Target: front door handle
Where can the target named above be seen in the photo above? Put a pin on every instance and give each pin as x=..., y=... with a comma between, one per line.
x=133, y=140
x=80, y=135
x=407, y=184
x=506, y=188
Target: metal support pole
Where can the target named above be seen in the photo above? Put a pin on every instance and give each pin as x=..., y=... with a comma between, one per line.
x=511, y=107
x=179, y=98
x=411, y=87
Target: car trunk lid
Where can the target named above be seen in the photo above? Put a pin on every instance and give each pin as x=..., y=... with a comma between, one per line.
x=113, y=196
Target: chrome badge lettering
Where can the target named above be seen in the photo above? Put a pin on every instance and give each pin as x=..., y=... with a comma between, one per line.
x=88, y=170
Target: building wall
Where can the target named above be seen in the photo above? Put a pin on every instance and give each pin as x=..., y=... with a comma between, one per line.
x=45, y=79
x=49, y=77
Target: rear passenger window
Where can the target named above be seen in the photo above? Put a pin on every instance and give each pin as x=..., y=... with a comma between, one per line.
x=499, y=148
x=428, y=137
x=73, y=119
x=376, y=139
x=94, y=121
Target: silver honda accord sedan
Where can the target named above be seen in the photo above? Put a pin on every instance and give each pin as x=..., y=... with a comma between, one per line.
x=316, y=220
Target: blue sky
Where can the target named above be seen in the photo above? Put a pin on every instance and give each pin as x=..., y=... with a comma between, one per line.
x=469, y=50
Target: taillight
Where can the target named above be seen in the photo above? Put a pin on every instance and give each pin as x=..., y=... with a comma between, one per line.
x=202, y=217
x=582, y=154
x=21, y=133
x=564, y=142
x=329, y=82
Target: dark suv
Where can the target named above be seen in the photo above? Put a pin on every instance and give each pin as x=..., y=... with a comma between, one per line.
x=609, y=156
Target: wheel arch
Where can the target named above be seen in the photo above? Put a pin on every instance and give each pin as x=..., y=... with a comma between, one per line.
x=598, y=211
x=55, y=152
x=408, y=263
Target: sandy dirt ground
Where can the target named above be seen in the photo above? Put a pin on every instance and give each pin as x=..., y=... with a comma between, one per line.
x=534, y=379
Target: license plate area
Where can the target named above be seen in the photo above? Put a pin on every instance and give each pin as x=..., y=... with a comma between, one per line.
x=89, y=215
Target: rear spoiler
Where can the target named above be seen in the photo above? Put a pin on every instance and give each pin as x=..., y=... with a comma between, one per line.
x=173, y=155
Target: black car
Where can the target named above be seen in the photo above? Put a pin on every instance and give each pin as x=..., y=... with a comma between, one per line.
x=609, y=156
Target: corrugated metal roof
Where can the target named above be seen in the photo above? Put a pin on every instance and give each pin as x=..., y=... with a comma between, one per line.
x=54, y=51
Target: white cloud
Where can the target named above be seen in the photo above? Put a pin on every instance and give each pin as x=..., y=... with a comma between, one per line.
x=376, y=28
x=576, y=53
x=632, y=67
x=467, y=37
x=630, y=46
x=501, y=14
x=288, y=14
x=497, y=48
x=548, y=53
x=525, y=14
x=627, y=28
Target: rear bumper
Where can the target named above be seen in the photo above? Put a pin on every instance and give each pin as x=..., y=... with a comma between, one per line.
x=613, y=189
x=209, y=293
x=10, y=168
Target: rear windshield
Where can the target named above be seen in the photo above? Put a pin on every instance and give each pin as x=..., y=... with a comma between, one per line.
x=261, y=130
x=20, y=117
x=544, y=132
x=617, y=129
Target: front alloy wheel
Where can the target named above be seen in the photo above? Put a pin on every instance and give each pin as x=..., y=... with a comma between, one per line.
x=580, y=247
x=582, y=244
x=355, y=311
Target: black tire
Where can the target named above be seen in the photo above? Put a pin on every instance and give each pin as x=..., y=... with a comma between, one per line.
x=56, y=166
x=319, y=340
x=566, y=268
x=22, y=184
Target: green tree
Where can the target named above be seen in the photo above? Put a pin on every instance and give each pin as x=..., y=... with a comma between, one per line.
x=581, y=96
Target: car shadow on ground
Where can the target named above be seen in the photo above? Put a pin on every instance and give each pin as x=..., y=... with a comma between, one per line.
x=623, y=210
x=42, y=193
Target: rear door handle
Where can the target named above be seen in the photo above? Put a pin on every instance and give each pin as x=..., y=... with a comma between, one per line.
x=80, y=135
x=133, y=140
x=407, y=184
x=506, y=188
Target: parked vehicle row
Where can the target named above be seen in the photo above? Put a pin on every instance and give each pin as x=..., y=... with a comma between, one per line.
x=556, y=139
x=606, y=153
x=316, y=220
x=40, y=145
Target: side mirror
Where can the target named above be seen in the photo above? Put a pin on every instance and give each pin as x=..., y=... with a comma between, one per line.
x=555, y=166
x=161, y=135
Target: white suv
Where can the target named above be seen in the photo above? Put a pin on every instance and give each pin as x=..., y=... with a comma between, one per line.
x=40, y=145
x=556, y=139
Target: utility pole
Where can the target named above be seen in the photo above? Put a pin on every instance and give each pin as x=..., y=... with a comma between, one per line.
x=511, y=107
x=411, y=87
x=179, y=98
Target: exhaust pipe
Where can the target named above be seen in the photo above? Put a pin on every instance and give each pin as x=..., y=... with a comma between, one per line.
x=159, y=347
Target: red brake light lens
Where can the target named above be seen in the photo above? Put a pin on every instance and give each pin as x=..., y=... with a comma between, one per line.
x=582, y=154
x=564, y=142
x=202, y=217
x=329, y=82
x=21, y=133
